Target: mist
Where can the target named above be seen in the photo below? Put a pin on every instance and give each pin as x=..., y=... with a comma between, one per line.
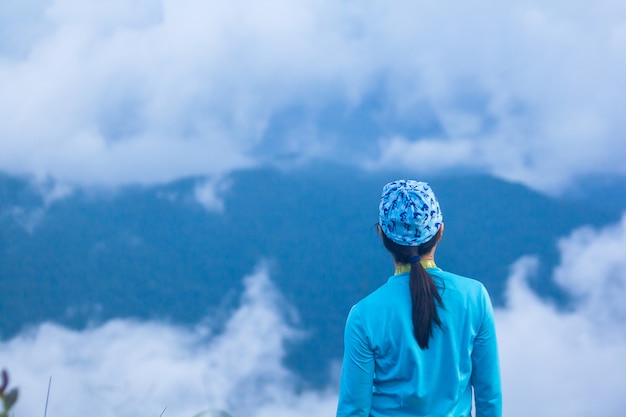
x=555, y=361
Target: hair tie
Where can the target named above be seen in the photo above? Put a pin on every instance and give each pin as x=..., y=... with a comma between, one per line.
x=414, y=259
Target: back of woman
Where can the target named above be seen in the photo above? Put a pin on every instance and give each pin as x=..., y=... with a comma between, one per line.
x=422, y=342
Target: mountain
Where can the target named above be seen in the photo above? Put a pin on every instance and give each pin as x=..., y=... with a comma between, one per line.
x=156, y=253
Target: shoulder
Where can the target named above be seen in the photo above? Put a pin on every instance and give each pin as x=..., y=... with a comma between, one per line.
x=464, y=291
x=388, y=293
x=390, y=297
x=460, y=282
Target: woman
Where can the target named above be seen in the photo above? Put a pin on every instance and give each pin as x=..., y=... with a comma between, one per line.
x=421, y=343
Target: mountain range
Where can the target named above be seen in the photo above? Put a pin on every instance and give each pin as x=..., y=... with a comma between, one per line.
x=154, y=252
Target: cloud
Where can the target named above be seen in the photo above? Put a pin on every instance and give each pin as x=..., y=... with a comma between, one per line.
x=554, y=361
x=130, y=368
x=208, y=193
x=113, y=93
x=526, y=91
x=31, y=210
x=427, y=155
x=568, y=362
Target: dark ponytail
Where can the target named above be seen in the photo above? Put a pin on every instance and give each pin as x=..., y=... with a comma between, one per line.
x=424, y=294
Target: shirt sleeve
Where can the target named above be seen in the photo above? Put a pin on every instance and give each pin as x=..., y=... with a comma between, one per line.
x=357, y=371
x=486, y=365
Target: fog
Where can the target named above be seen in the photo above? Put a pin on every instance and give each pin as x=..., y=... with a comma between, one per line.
x=554, y=361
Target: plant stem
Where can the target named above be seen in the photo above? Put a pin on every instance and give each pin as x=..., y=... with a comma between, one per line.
x=45, y=411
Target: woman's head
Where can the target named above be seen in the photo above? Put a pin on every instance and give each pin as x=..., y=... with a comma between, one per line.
x=402, y=254
x=409, y=212
x=411, y=223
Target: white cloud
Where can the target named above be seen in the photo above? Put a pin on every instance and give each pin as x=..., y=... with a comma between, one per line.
x=45, y=194
x=154, y=90
x=568, y=362
x=532, y=88
x=427, y=155
x=27, y=218
x=554, y=362
x=208, y=193
x=129, y=368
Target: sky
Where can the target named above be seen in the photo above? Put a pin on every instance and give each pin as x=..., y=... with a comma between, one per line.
x=119, y=92
x=554, y=362
x=122, y=92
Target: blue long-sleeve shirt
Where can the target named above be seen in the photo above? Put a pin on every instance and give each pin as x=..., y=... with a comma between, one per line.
x=386, y=373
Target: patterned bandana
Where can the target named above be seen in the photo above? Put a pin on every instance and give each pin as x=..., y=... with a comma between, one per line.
x=409, y=213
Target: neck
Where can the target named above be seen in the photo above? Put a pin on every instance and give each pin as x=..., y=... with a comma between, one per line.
x=427, y=260
x=404, y=268
x=427, y=257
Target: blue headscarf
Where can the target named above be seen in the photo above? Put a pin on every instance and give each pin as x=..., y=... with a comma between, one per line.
x=409, y=212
